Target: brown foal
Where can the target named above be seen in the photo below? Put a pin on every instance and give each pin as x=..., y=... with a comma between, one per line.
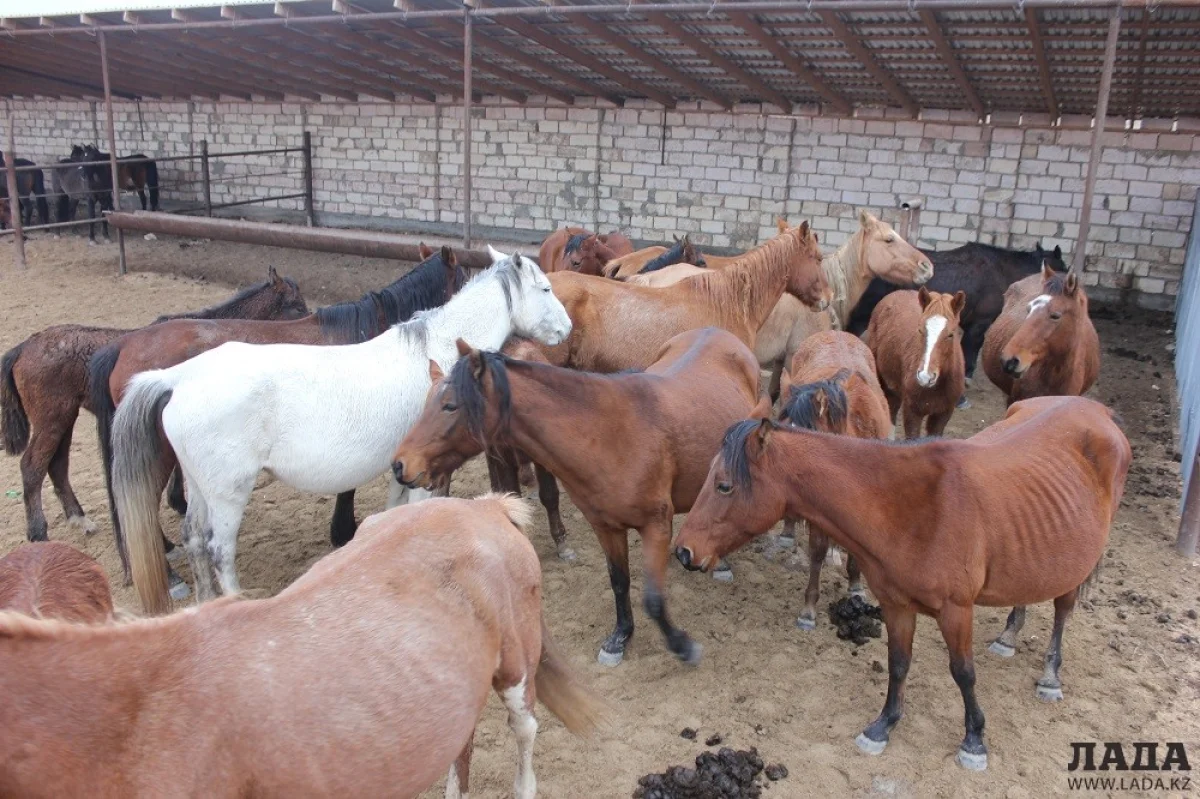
x=649, y=439
x=1019, y=513
x=556, y=252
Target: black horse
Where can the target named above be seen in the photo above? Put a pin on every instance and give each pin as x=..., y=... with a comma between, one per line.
x=983, y=272
x=31, y=191
x=72, y=186
x=135, y=172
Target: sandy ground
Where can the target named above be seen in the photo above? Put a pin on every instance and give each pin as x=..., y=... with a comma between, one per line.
x=800, y=697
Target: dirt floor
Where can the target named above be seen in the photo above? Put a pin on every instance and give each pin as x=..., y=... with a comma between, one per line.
x=1132, y=667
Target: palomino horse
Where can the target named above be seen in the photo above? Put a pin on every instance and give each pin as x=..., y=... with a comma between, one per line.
x=31, y=191
x=388, y=647
x=982, y=272
x=429, y=285
x=651, y=259
x=554, y=250
x=135, y=172
x=618, y=326
x=874, y=251
x=52, y=580
x=650, y=438
x=323, y=419
x=1044, y=342
x=44, y=383
x=920, y=367
x=832, y=388
x=1019, y=513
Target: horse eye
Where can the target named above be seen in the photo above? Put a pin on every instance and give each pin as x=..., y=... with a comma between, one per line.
x=449, y=407
x=1056, y=316
x=891, y=239
x=724, y=488
x=546, y=289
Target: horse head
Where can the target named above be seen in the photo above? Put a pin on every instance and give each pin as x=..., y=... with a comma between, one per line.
x=1053, y=257
x=1051, y=324
x=885, y=254
x=536, y=312
x=690, y=253
x=286, y=296
x=806, y=278
x=821, y=405
x=939, y=328
x=590, y=256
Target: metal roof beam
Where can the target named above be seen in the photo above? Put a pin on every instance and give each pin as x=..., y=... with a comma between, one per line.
x=785, y=56
x=854, y=44
x=1039, y=54
x=951, y=61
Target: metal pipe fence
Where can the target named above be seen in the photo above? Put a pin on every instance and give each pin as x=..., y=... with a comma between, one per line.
x=1187, y=372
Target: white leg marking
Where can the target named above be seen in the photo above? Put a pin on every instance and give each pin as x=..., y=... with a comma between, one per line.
x=397, y=494
x=524, y=726
x=82, y=523
x=1038, y=302
x=934, y=326
x=452, y=789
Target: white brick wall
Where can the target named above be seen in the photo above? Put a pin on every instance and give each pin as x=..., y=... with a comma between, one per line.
x=721, y=177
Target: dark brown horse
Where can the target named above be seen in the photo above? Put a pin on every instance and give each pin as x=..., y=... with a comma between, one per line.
x=428, y=285
x=649, y=439
x=1017, y=514
x=554, y=254
x=31, y=191
x=1044, y=343
x=651, y=259
x=135, y=172
x=52, y=580
x=44, y=383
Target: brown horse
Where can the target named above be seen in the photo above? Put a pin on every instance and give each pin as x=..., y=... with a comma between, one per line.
x=428, y=285
x=912, y=335
x=1043, y=343
x=52, y=580
x=651, y=259
x=628, y=267
x=831, y=387
x=650, y=437
x=617, y=326
x=552, y=256
x=44, y=383
x=389, y=646
x=1019, y=513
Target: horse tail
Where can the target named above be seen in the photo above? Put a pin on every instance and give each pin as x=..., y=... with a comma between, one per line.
x=1087, y=584
x=100, y=369
x=559, y=689
x=137, y=475
x=152, y=183
x=14, y=422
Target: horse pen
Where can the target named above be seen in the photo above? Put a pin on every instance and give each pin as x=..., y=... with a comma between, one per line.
x=655, y=121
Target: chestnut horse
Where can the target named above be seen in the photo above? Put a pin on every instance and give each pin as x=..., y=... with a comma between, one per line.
x=630, y=266
x=1018, y=513
x=831, y=387
x=389, y=647
x=651, y=259
x=552, y=256
x=650, y=437
x=44, y=383
x=52, y=580
x=1043, y=342
x=428, y=285
x=912, y=336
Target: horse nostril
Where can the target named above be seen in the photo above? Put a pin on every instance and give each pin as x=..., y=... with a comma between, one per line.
x=1011, y=366
x=685, y=556
x=398, y=470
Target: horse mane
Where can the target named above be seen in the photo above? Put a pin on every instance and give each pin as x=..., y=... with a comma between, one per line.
x=668, y=258
x=1056, y=285
x=735, y=287
x=733, y=450
x=227, y=309
x=837, y=271
x=422, y=288
x=801, y=408
x=575, y=242
x=468, y=391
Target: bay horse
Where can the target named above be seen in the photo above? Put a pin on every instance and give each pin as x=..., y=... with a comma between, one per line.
x=31, y=192
x=44, y=382
x=52, y=580
x=982, y=272
x=1018, y=513
x=1044, y=342
x=428, y=285
x=650, y=259
x=650, y=437
x=389, y=646
x=630, y=266
x=831, y=387
x=552, y=256
x=136, y=172
x=912, y=336
x=874, y=251
x=322, y=419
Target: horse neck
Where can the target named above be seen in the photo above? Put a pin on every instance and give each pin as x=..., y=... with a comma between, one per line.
x=847, y=273
x=478, y=314
x=764, y=284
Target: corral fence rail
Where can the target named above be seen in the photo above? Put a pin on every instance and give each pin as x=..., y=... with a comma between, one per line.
x=1187, y=372
x=193, y=176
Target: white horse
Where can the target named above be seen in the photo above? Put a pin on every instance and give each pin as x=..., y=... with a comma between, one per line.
x=321, y=419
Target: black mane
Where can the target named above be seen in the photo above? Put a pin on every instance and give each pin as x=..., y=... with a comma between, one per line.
x=575, y=242
x=468, y=392
x=230, y=308
x=422, y=288
x=668, y=258
x=733, y=450
x=800, y=409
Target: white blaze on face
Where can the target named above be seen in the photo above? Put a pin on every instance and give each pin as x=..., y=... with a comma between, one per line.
x=934, y=326
x=1038, y=302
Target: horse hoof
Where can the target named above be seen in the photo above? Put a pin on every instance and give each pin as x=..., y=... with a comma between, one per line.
x=175, y=555
x=1002, y=649
x=805, y=623
x=1049, y=694
x=963, y=403
x=82, y=523
x=724, y=575
x=91, y=243
x=693, y=654
x=180, y=591
x=787, y=542
x=567, y=554
x=972, y=762
x=859, y=592
x=610, y=659
x=870, y=746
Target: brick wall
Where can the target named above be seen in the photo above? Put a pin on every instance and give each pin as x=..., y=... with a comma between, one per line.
x=721, y=177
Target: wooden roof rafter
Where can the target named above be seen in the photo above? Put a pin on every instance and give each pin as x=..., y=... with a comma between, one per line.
x=771, y=44
x=946, y=50
x=854, y=44
x=1039, y=55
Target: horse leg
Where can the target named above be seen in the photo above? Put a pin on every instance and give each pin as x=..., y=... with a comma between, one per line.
x=912, y=423
x=818, y=545
x=91, y=202
x=142, y=196
x=503, y=473
x=615, y=543
x=195, y=531
x=343, y=525
x=403, y=495
x=656, y=550
x=935, y=423
x=972, y=343
x=955, y=623
x=458, y=781
x=1006, y=645
x=787, y=538
x=224, y=521
x=1049, y=687
x=901, y=623
x=59, y=477
x=548, y=496
x=854, y=578
x=176, y=497
x=519, y=700
x=527, y=477
x=773, y=387
x=35, y=463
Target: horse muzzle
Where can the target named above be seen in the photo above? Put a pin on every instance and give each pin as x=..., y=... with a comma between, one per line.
x=398, y=472
x=924, y=273
x=927, y=379
x=1014, y=367
x=684, y=556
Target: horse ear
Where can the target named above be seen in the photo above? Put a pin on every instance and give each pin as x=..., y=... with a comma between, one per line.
x=447, y=255
x=424, y=250
x=435, y=371
x=272, y=275
x=495, y=254
x=865, y=220
x=923, y=297
x=785, y=382
x=1047, y=271
x=804, y=229
x=781, y=224
x=958, y=303
x=464, y=348
x=1058, y=251
x=1071, y=285
x=1037, y=248
x=763, y=409
x=762, y=435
